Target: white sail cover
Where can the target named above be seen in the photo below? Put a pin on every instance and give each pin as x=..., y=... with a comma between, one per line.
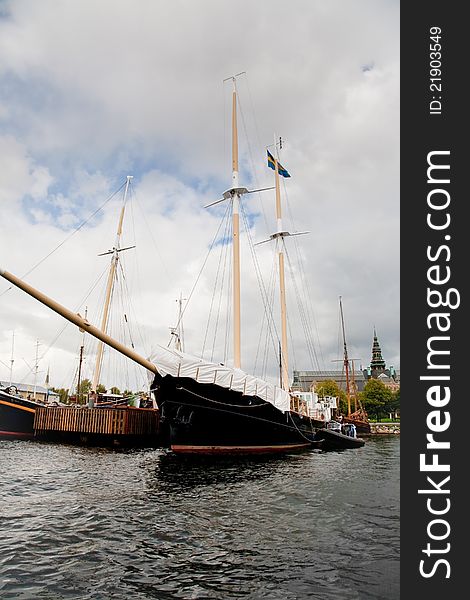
x=178, y=364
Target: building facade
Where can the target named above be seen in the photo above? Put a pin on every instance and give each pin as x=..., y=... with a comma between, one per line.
x=306, y=381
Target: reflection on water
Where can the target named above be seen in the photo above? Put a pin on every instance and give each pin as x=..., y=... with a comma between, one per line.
x=91, y=523
x=185, y=472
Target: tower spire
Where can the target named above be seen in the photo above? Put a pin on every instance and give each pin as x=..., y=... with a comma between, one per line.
x=377, y=363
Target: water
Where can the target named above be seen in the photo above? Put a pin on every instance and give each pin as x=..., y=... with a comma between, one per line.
x=97, y=524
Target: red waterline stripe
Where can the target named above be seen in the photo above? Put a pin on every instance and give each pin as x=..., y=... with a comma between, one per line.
x=177, y=448
x=18, y=434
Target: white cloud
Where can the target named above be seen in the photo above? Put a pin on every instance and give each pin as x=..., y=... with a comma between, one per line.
x=91, y=92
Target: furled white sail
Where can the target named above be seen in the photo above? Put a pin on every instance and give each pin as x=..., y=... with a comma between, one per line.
x=179, y=364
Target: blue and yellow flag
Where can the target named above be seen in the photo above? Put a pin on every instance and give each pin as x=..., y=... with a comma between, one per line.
x=272, y=164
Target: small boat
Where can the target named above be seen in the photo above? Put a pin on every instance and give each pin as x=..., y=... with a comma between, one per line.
x=338, y=437
x=16, y=415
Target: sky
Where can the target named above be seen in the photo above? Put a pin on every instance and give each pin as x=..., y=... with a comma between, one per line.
x=91, y=92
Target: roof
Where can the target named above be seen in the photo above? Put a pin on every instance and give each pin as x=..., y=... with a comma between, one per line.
x=28, y=387
x=326, y=374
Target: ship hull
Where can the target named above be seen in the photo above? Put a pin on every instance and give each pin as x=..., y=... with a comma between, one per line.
x=16, y=417
x=207, y=419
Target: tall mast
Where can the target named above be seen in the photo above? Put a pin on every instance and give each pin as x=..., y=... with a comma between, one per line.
x=36, y=367
x=109, y=288
x=178, y=331
x=282, y=283
x=12, y=360
x=279, y=235
x=345, y=359
x=354, y=387
x=235, y=235
x=80, y=362
x=79, y=377
x=234, y=194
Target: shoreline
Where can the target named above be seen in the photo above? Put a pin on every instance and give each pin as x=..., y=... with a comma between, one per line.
x=384, y=428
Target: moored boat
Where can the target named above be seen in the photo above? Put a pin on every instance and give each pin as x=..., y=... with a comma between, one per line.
x=208, y=408
x=16, y=415
x=335, y=436
x=335, y=440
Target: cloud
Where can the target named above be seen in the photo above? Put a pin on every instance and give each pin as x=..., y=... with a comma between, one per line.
x=91, y=93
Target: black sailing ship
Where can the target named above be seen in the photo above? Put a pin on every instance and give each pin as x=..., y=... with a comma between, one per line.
x=222, y=410
x=209, y=418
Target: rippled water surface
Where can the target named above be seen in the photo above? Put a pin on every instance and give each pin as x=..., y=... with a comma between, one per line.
x=98, y=524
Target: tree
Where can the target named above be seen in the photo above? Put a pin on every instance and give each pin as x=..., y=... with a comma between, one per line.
x=115, y=390
x=394, y=405
x=100, y=389
x=376, y=397
x=85, y=387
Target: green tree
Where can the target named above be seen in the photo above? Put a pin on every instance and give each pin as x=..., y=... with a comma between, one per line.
x=115, y=390
x=376, y=398
x=100, y=389
x=394, y=404
x=85, y=387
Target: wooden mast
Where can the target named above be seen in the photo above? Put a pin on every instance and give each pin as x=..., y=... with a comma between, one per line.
x=36, y=367
x=79, y=376
x=109, y=289
x=78, y=320
x=345, y=359
x=282, y=283
x=354, y=386
x=80, y=362
x=235, y=236
x=279, y=236
x=12, y=359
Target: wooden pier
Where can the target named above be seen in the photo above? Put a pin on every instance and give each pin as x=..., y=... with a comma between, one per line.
x=123, y=426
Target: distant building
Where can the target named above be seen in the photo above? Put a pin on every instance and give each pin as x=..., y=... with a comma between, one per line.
x=306, y=381
x=26, y=390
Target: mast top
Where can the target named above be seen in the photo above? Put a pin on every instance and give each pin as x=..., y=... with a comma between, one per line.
x=234, y=77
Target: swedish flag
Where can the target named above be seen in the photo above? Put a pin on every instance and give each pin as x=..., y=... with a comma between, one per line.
x=272, y=164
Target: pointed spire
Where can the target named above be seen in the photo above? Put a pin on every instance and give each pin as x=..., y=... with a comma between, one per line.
x=377, y=364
